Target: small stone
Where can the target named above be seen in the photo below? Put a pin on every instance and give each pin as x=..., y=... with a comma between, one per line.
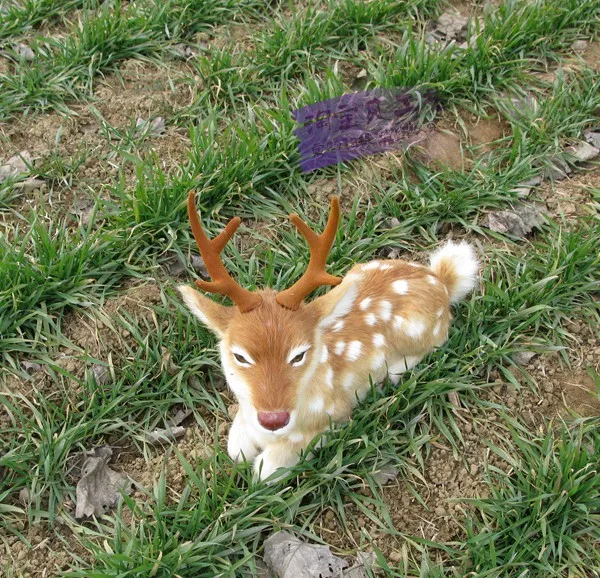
x=558, y=169
x=451, y=24
x=20, y=50
x=16, y=165
x=583, y=151
x=468, y=427
x=386, y=475
x=518, y=222
x=534, y=182
x=473, y=470
x=395, y=556
x=185, y=50
x=29, y=185
x=523, y=357
x=232, y=410
x=89, y=128
x=101, y=374
x=329, y=516
x=24, y=496
x=394, y=223
x=440, y=511
x=156, y=127
x=522, y=191
x=579, y=45
x=31, y=367
x=592, y=138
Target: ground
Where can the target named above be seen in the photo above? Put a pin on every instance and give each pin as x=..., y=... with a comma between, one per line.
x=483, y=460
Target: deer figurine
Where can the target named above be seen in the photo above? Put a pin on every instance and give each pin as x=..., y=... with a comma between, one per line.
x=294, y=366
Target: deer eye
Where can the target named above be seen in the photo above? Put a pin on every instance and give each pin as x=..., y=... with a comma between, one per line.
x=299, y=359
x=240, y=359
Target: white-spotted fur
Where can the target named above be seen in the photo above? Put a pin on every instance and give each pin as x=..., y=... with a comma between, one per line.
x=380, y=324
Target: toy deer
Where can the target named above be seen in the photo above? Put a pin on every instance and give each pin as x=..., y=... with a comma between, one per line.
x=294, y=366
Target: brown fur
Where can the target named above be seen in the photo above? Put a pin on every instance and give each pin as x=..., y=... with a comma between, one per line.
x=268, y=333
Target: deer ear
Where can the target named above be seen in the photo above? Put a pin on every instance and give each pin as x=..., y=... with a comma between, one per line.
x=337, y=303
x=215, y=316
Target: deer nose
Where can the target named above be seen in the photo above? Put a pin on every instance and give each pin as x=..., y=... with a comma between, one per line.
x=273, y=420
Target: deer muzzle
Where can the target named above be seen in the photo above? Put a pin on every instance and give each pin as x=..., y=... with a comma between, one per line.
x=273, y=420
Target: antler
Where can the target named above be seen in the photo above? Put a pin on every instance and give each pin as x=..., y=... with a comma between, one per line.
x=315, y=274
x=210, y=250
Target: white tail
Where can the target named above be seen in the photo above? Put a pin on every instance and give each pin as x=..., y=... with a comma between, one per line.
x=295, y=366
x=456, y=265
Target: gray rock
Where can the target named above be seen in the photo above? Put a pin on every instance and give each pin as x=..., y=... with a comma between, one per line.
x=517, y=222
x=29, y=185
x=451, y=24
x=593, y=138
x=386, y=475
x=155, y=127
x=534, y=182
x=31, y=367
x=15, y=166
x=583, y=151
x=523, y=357
x=20, y=51
x=101, y=374
x=558, y=169
x=185, y=50
x=288, y=557
x=522, y=191
x=579, y=46
x=176, y=268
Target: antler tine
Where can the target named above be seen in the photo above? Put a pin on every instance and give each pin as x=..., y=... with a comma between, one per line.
x=210, y=250
x=315, y=274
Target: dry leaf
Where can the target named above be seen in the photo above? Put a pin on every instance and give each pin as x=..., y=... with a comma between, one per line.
x=100, y=486
x=160, y=435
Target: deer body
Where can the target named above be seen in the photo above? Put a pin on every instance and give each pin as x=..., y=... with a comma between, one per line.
x=293, y=370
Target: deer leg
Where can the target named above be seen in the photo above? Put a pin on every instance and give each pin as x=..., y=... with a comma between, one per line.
x=403, y=364
x=239, y=443
x=282, y=454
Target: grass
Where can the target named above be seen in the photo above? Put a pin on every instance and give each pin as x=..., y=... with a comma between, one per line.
x=538, y=514
x=545, y=511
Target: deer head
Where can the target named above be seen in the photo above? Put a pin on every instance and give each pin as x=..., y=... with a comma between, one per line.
x=270, y=343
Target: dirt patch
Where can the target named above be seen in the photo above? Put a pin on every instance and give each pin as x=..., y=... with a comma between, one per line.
x=456, y=143
x=571, y=198
x=100, y=334
x=591, y=55
x=77, y=154
x=51, y=553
